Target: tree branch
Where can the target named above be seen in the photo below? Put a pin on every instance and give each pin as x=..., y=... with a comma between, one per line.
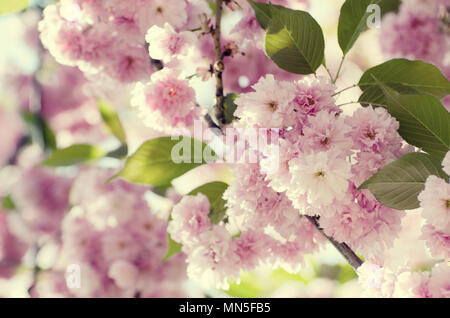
x=219, y=111
x=343, y=248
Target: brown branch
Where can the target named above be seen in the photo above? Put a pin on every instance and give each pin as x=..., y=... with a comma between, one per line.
x=343, y=248
x=157, y=64
x=219, y=111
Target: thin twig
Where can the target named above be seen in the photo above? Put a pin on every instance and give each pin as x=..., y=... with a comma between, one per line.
x=343, y=248
x=345, y=104
x=345, y=89
x=339, y=70
x=36, y=269
x=328, y=71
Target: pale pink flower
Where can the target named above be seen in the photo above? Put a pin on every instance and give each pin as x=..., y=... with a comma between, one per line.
x=128, y=64
x=12, y=246
x=374, y=130
x=280, y=179
x=124, y=274
x=158, y=12
x=370, y=232
x=437, y=241
x=213, y=263
x=251, y=247
x=119, y=244
x=409, y=284
x=166, y=102
x=418, y=20
x=190, y=220
x=439, y=282
x=326, y=131
x=252, y=204
x=290, y=255
x=435, y=202
x=313, y=95
x=165, y=43
x=323, y=176
x=63, y=41
x=42, y=197
x=268, y=106
x=195, y=9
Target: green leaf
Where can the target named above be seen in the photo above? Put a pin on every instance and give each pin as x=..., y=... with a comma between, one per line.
x=295, y=41
x=249, y=286
x=74, y=155
x=424, y=122
x=112, y=121
x=11, y=6
x=263, y=12
x=212, y=6
x=120, y=153
x=49, y=136
x=174, y=248
x=8, y=203
x=347, y=273
x=152, y=163
x=230, y=108
x=389, y=6
x=399, y=183
x=40, y=131
x=352, y=21
x=406, y=77
x=214, y=191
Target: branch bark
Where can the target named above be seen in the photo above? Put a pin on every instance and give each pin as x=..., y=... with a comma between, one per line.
x=343, y=248
x=219, y=67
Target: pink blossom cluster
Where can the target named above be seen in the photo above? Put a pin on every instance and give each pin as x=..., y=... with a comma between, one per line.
x=12, y=245
x=435, y=204
x=216, y=257
x=164, y=50
x=420, y=30
x=68, y=106
x=417, y=31
x=325, y=155
x=42, y=198
x=166, y=102
x=110, y=40
x=109, y=37
x=378, y=281
x=61, y=95
x=116, y=241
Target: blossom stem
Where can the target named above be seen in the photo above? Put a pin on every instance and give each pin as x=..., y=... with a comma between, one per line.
x=343, y=248
x=36, y=269
x=328, y=71
x=339, y=70
x=349, y=103
x=345, y=89
x=219, y=67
